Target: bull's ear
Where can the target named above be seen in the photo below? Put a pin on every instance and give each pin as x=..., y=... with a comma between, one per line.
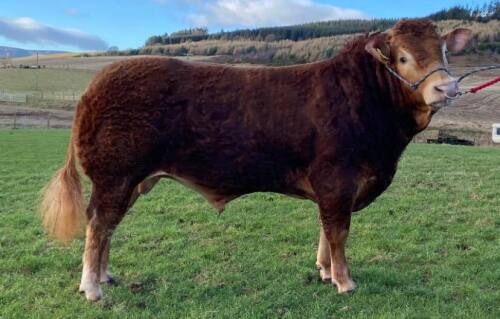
x=377, y=46
x=457, y=39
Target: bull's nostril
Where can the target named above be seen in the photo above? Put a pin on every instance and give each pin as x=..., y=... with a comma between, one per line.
x=449, y=90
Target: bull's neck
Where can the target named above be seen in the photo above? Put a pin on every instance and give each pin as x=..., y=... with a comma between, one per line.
x=386, y=93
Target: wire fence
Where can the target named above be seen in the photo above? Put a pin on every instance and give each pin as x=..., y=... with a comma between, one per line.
x=13, y=97
x=17, y=120
x=40, y=97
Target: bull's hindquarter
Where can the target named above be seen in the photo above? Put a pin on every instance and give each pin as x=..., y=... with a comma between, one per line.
x=310, y=131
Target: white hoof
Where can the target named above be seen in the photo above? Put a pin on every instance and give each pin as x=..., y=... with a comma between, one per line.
x=93, y=294
x=346, y=287
x=325, y=274
x=90, y=287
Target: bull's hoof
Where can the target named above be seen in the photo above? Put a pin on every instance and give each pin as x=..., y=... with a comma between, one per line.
x=347, y=286
x=325, y=274
x=91, y=293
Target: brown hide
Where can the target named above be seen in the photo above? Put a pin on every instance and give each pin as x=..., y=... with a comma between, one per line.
x=228, y=131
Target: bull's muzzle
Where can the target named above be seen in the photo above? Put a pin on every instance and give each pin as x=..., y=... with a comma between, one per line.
x=450, y=89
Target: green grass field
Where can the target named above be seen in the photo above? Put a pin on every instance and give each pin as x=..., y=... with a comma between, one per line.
x=45, y=87
x=44, y=80
x=427, y=248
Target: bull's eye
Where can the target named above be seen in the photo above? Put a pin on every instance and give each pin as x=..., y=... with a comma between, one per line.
x=403, y=60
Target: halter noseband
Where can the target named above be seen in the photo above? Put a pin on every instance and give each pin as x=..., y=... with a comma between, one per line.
x=415, y=85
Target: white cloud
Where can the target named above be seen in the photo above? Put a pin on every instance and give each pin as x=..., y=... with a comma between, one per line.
x=260, y=13
x=27, y=30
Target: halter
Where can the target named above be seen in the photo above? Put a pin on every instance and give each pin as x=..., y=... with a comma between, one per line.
x=415, y=85
x=445, y=69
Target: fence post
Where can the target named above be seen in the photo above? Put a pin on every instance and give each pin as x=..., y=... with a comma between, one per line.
x=15, y=120
x=48, y=121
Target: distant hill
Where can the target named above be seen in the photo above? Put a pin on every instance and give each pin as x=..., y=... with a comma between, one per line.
x=284, y=45
x=10, y=52
x=273, y=50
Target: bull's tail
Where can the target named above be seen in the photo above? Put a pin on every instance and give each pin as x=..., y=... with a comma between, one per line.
x=61, y=205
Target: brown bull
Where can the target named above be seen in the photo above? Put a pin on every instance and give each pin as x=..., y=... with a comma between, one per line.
x=331, y=132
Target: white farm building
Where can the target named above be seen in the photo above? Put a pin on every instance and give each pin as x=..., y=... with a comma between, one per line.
x=495, y=133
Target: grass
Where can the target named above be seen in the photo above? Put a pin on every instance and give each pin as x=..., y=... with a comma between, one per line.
x=31, y=60
x=40, y=80
x=427, y=248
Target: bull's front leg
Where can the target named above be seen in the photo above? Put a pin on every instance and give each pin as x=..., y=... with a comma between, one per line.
x=335, y=199
x=324, y=259
x=336, y=228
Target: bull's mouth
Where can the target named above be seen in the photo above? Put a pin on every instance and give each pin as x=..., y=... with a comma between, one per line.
x=439, y=104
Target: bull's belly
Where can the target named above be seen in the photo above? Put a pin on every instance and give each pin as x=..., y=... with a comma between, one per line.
x=221, y=192
x=368, y=189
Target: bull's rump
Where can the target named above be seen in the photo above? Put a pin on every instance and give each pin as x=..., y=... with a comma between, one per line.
x=237, y=130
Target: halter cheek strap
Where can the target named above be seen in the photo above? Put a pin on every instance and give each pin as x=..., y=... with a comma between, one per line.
x=415, y=85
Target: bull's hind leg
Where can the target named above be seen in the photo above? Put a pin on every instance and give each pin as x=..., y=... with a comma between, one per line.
x=106, y=276
x=143, y=188
x=108, y=205
x=323, y=260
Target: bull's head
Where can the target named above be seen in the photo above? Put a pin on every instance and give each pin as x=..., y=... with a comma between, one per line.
x=417, y=53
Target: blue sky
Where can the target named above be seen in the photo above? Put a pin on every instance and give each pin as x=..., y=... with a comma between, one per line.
x=97, y=24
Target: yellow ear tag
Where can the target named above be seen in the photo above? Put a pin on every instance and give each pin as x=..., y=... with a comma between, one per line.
x=383, y=56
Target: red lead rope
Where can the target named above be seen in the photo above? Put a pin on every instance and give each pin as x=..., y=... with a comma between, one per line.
x=484, y=85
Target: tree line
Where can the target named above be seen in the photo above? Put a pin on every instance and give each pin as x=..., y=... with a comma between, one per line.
x=487, y=12
x=294, y=33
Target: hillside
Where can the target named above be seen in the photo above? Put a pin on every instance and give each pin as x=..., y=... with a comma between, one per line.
x=286, y=51
x=314, y=41
x=10, y=52
x=294, y=32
